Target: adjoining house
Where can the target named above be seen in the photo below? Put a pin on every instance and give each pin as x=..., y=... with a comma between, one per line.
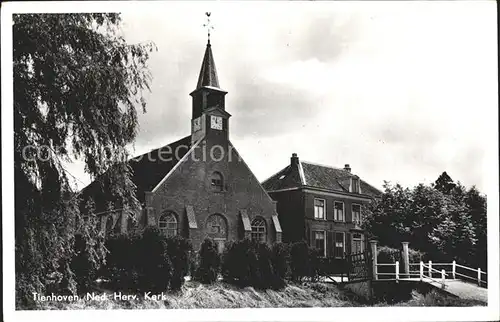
x=321, y=205
x=199, y=186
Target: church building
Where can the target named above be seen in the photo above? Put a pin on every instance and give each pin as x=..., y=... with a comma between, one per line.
x=199, y=186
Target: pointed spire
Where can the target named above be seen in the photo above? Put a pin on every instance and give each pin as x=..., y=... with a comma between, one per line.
x=208, y=72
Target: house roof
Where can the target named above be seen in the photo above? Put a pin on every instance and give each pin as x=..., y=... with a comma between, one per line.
x=316, y=176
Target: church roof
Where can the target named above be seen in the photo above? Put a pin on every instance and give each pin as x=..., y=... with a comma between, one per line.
x=308, y=174
x=208, y=73
x=150, y=168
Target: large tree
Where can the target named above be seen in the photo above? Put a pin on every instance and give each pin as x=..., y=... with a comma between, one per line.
x=444, y=183
x=446, y=224
x=77, y=86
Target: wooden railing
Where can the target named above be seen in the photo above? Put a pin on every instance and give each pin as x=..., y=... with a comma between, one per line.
x=429, y=271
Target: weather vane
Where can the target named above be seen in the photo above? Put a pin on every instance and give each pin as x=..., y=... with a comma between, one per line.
x=208, y=25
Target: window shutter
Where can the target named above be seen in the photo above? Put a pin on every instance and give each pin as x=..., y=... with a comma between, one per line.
x=348, y=246
x=330, y=244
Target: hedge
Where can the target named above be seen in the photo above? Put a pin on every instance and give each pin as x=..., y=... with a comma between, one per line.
x=209, y=262
x=146, y=261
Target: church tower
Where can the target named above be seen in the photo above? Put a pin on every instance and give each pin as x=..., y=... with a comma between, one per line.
x=209, y=117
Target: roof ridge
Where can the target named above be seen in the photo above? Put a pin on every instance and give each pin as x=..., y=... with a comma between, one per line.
x=171, y=143
x=323, y=165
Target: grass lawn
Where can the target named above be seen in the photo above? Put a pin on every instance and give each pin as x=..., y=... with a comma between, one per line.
x=194, y=295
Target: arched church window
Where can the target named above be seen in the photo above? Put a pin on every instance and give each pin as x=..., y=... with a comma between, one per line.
x=168, y=224
x=216, y=228
x=216, y=181
x=259, y=229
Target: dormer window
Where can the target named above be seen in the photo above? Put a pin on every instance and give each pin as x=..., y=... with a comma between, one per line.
x=216, y=181
x=355, y=185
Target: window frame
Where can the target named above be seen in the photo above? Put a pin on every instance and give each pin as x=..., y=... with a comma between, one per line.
x=360, y=220
x=221, y=223
x=335, y=244
x=324, y=240
x=324, y=208
x=257, y=232
x=360, y=239
x=165, y=230
x=335, y=211
x=216, y=187
x=355, y=185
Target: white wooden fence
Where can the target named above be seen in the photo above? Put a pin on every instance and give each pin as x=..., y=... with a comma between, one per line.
x=436, y=272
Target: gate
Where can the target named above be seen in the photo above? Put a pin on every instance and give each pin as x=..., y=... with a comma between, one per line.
x=359, y=266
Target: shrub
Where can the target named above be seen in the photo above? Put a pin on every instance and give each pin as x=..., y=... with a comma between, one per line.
x=209, y=263
x=299, y=260
x=193, y=259
x=280, y=259
x=155, y=267
x=119, y=261
x=265, y=276
x=417, y=256
x=387, y=254
x=138, y=262
x=178, y=250
x=239, y=263
x=313, y=258
x=250, y=263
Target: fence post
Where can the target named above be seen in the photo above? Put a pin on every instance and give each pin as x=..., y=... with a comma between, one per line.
x=443, y=277
x=373, y=244
x=453, y=268
x=430, y=269
x=421, y=271
x=479, y=276
x=397, y=271
x=406, y=259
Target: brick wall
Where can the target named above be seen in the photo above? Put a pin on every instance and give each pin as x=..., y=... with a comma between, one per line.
x=296, y=213
x=190, y=184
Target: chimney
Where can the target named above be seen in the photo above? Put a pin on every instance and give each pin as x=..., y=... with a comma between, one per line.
x=294, y=160
x=347, y=167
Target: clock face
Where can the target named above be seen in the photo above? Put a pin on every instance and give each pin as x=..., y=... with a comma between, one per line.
x=196, y=124
x=216, y=122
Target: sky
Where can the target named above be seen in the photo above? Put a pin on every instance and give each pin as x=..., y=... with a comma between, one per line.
x=401, y=91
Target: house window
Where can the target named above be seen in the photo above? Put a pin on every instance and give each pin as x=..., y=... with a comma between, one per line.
x=168, y=224
x=320, y=242
x=338, y=211
x=259, y=230
x=356, y=214
x=338, y=251
x=216, y=181
x=357, y=243
x=355, y=185
x=319, y=209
